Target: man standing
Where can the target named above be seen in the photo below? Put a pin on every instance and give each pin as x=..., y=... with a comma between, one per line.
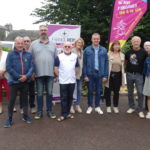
x=135, y=63
x=20, y=68
x=27, y=43
x=95, y=70
x=65, y=69
x=44, y=53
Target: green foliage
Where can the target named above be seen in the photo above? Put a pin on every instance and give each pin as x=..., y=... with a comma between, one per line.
x=92, y=15
x=143, y=28
x=84, y=88
x=126, y=47
x=6, y=49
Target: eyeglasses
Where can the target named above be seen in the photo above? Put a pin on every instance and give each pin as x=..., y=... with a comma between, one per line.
x=27, y=41
x=43, y=30
x=67, y=46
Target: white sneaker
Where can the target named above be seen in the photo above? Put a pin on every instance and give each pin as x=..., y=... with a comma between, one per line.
x=78, y=109
x=98, y=110
x=89, y=110
x=72, y=110
x=21, y=111
x=33, y=110
x=108, y=109
x=1, y=111
x=130, y=110
x=148, y=115
x=14, y=110
x=116, y=110
x=141, y=115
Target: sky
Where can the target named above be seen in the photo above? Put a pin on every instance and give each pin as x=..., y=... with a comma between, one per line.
x=17, y=12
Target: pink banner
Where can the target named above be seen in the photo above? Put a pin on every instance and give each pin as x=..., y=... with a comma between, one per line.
x=126, y=15
x=59, y=34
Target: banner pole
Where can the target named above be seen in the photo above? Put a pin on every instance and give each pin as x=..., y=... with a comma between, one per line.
x=110, y=24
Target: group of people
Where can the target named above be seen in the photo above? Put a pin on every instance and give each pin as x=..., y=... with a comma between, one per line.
x=40, y=62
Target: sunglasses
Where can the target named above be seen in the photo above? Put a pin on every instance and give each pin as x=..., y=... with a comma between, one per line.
x=43, y=30
x=67, y=46
x=26, y=41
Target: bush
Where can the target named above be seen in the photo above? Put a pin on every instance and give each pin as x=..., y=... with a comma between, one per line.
x=6, y=49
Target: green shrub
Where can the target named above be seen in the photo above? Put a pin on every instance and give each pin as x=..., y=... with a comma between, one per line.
x=6, y=49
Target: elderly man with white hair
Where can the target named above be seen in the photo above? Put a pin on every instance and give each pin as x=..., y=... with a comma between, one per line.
x=20, y=68
x=65, y=69
x=147, y=46
x=135, y=59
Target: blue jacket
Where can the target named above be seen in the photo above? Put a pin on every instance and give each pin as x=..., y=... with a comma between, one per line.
x=89, y=63
x=147, y=66
x=17, y=65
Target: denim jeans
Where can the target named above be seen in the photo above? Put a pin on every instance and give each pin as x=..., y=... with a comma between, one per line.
x=79, y=91
x=66, y=95
x=94, y=84
x=47, y=83
x=137, y=79
x=31, y=93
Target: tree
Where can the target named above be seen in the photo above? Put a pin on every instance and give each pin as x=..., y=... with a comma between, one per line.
x=2, y=34
x=33, y=34
x=143, y=28
x=92, y=15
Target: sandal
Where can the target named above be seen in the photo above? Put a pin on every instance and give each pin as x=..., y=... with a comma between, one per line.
x=70, y=116
x=61, y=118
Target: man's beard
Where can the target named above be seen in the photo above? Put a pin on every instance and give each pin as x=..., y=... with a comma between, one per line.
x=67, y=51
x=43, y=36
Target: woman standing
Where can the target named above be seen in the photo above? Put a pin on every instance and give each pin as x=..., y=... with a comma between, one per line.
x=116, y=76
x=78, y=49
x=146, y=89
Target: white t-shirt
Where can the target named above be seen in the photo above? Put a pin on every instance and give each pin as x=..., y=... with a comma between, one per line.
x=3, y=60
x=3, y=63
x=67, y=65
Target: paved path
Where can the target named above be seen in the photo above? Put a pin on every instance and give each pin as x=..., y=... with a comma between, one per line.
x=85, y=132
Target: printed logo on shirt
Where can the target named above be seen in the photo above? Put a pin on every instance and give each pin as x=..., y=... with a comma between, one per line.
x=133, y=59
x=25, y=60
